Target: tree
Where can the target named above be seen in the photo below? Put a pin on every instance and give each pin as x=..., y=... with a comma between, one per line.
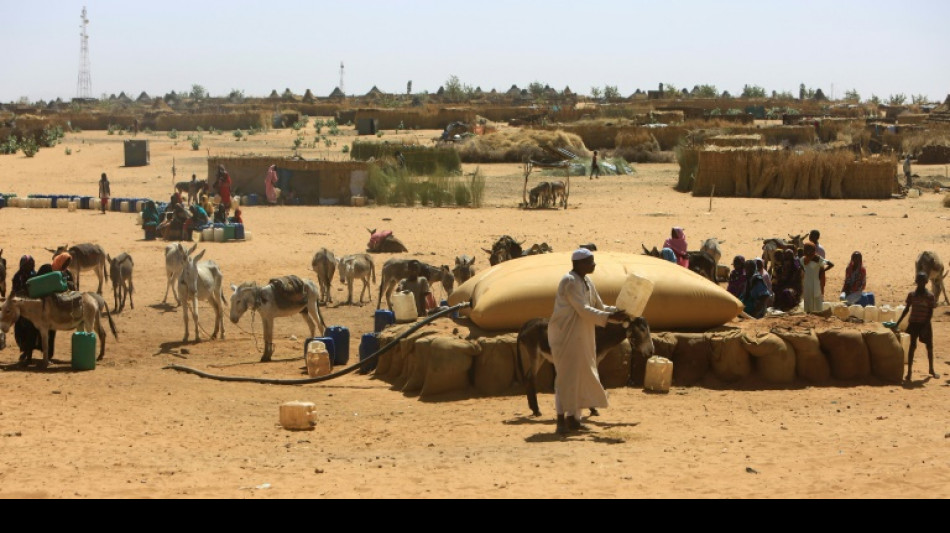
x=611, y=92
x=536, y=89
x=726, y=95
x=198, y=92
x=705, y=91
x=596, y=93
x=820, y=96
x=670, y=90
x=919, y=99
x=454, y=90
x=875, y=99
x=236, y=96
x=897, y=99
x=753, y=91
x=852, y=96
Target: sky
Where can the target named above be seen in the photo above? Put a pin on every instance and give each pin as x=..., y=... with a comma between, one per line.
x=877, y=47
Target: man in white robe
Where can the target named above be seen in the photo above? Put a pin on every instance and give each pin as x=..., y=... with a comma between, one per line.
x=578, y=311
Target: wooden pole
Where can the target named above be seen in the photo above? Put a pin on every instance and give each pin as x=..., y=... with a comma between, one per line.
x=711, y=196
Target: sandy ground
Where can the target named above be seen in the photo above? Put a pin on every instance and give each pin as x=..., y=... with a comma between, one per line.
x=133, y=430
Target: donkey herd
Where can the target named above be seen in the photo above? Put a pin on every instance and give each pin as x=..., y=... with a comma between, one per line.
x=190, y=278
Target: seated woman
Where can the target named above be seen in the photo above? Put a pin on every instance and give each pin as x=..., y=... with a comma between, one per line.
x=756, y=296
x=677, y=243
x=221, y=215
x=855, y=280
x=737, y=279
x=173, y=229
x=238, y=217
x=199, y=217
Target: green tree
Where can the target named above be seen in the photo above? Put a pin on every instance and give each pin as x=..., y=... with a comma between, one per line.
x=852, y=96
x=919, y=99
x=536, y=89
x=875, y=99
x=897, y=99
x=455, y=91
x=611, y=92
x=753, y=91
x=198, y=92
x=706, y=91
x=596, y=93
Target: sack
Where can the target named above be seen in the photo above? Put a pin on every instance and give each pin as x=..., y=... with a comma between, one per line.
x=690, y=360
x=507, y=296
x=774, y=358
x=449, y=366
x=729, y=359
x=810, y=362
x=887, y=355
x=495, y=365
x=417, y=362
x=614, y=370
x=847, y=353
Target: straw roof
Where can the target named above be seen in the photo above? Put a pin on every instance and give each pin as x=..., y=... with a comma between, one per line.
x=337, y=93
x=374, y=92
x=514, y=91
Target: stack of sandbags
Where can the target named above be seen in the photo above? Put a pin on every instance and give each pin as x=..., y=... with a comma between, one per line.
x=448, y=366
x=495, y=368
x=729, y=359
x=691, y=359
x=774, y=358
x=615, y=368
x=848, y=354
x=811, y=363
x=887, y=355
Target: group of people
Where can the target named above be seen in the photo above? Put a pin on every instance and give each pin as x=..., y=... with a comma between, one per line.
x=25, y=333
x=180, y=220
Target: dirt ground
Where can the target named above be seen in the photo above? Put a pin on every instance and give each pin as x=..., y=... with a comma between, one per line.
x=133, y=430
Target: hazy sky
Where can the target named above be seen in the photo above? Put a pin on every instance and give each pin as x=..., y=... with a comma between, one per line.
x=874, y=46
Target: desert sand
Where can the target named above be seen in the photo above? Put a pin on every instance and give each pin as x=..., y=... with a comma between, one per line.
x=133, y=430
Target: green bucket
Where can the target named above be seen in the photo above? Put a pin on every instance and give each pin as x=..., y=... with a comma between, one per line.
x=84, y=351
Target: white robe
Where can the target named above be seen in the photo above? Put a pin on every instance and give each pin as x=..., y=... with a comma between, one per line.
x=578, y=310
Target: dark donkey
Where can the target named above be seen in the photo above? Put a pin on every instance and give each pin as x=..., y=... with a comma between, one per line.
x=86, y=257
x=534, y=349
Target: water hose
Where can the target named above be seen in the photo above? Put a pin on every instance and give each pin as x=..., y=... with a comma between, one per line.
x=341, y=373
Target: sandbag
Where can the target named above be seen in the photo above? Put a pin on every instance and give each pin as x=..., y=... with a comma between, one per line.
x=385, y=360
x=417, y=362
x=729, y=359
x=615, y=368
x=690, y=360
x=495, y=365
x=774, y=358
x=847, y=353
x=811, y=364
x=507, y=296
x=887, y=355
x=664, y=344
x=448, y=366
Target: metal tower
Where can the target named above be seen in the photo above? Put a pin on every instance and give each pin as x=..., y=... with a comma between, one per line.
x=342, y=72
x=84, y=86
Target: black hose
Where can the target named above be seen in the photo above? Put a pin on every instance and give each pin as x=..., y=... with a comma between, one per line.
x=311, y=381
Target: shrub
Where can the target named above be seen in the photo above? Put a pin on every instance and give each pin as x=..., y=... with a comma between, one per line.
x=379, y=134
x=238, y=134
x=9, y=147
x=173, y=135
x=346, y=149
x=196, y=142
x=379, y=185
x=463, y=195
x=112, y=129
x=69, y=151
x=29, y=147
x=478, y=188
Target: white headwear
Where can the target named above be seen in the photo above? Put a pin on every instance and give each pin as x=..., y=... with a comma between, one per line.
x=582, y=254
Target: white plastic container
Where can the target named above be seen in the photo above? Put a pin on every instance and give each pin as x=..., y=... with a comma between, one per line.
x=207, y=235
x=659, y=376
x=46, y=203
x=124, y=207
x=404, y=306
x=913, y=194
x=872, y=314
x=140, y=207
x=73, y=206
x=219, y=235
x=905, y=344
x=857, y=312
x=298, y=416
x=841, y=312
x=95, y=204
x=247, y=235
x=236, y=201
x=14, y=202
x=635, y=295
x=887, y=314
x=62, y=204
x=318, y=360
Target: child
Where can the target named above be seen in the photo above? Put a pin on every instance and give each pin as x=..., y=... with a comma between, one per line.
x=920, y=305
x=814, y=266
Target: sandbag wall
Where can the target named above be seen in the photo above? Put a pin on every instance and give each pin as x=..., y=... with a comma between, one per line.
x=433, y=362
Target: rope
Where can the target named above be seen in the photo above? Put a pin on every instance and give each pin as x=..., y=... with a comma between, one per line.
x=312, y=381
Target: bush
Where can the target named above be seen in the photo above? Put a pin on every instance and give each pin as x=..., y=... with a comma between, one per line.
x=173, y=135
x=9, y=147
x=346, y=149
x=112, y=129
x=69, y=151
x=379, y=185
x=29, y=147
x=238, y=134
x=51, y=136
x=478, y=188
x=195, y=142
x=463, y=195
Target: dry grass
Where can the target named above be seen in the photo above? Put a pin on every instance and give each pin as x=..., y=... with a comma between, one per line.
x=514, y=145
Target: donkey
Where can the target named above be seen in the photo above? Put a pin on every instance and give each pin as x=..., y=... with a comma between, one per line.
x=64, y=312
x=534, y=349
x=273, y=301
x=464, y=269
x=357, y=267
x=930, y=264
x=541, y=195
x=559, y=194
x=120, y=270
x=324, y=265
x=770, y=247
x=505, y=249
x=204, y=281
x=175, y=258
x=85, y=257
x=3, y=276
x=396, y=270
x=194, y=189
x=712, y=248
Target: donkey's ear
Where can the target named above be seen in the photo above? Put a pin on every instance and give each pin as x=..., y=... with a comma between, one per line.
x=234, y=287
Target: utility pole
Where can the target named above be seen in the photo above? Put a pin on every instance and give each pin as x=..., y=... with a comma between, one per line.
x=84, y=85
